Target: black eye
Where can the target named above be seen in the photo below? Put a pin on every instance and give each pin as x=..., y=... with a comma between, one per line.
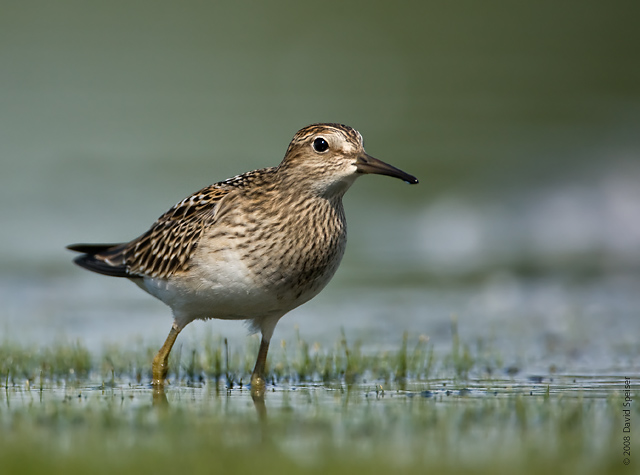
x=320, y=145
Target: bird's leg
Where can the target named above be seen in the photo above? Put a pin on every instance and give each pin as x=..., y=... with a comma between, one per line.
x=160, y=366
x=258, y=383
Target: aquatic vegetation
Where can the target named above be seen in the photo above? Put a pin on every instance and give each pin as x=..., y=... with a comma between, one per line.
x=341, y=409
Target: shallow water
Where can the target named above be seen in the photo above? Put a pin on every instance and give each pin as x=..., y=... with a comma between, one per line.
x=485, y=424
x=520, y=245
x=587, y=326
x=526, y=146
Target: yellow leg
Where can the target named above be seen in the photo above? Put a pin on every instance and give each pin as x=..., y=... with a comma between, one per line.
x=160, y=366
x=258, y=383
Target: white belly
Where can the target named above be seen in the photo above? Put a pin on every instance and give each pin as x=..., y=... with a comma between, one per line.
x=223, y=288
x=233, y=274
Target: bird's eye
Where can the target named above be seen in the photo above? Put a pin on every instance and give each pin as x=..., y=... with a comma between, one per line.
x=320, y=145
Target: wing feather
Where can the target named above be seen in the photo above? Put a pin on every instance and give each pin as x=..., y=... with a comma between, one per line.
x=168, y=245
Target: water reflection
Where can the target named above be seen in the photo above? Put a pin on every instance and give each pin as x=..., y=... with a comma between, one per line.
x=160, y=401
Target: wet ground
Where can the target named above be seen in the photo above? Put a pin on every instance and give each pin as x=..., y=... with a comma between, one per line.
x=515, y=263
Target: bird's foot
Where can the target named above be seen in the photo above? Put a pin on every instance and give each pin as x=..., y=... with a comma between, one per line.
x=258, y=386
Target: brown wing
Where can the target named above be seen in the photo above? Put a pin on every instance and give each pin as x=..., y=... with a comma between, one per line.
x=162, y=250
x=166, y=248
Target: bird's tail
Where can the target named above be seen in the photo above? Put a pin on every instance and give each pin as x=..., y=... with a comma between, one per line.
x=106, y=259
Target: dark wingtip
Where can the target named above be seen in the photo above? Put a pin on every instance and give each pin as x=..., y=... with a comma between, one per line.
x=90, y=248
x=91, y=260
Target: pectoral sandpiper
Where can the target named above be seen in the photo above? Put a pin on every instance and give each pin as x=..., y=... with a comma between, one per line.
x=252, y=247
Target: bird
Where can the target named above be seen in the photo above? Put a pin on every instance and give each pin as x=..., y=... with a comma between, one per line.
x=252, y=247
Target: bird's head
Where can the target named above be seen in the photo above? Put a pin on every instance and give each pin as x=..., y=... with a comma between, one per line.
x=329, y=157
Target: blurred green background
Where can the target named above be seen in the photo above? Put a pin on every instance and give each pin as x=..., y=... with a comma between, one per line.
x=521, y=120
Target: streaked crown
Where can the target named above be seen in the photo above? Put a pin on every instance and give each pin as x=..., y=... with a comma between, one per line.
x=329, y=157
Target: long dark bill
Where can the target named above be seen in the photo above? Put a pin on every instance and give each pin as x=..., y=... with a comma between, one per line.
x=367, y=164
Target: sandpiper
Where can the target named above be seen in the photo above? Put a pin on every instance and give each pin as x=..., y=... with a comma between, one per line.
x=252, y=247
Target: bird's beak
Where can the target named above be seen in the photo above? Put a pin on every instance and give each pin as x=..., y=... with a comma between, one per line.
x=367, y=164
